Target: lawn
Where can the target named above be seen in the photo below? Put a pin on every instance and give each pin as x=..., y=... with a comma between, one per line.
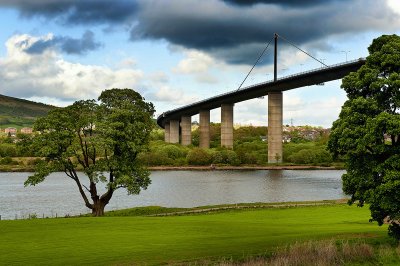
x=155, y=240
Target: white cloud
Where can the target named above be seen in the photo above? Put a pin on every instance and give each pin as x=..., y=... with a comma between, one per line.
x=172, y=96
x=195, y=62
x=394, y=5
x=49, y=75
x=198, y=64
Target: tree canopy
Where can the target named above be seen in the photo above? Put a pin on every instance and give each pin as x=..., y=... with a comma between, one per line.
x=102, y=139
x=367, y=133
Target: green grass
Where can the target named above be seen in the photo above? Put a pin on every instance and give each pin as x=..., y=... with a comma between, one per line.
x=154, y=240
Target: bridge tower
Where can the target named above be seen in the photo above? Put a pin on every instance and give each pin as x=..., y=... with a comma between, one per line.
x=275, y=117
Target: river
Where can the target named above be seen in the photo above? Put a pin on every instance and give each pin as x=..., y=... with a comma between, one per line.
x=58, y=195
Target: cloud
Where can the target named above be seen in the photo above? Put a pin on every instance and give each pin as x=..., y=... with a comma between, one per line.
x=76, y=12
x=237, y=34
x=232, y=31
x=199, y=65
x=173, y=96
x=194, y=62
x=301, y=4
x=65, y=44
x=47, y=74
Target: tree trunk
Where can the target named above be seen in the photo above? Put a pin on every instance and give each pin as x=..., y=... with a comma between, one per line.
x=98, y=208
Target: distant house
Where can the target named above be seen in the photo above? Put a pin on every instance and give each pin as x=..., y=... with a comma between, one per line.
x=11, y=131
x=26, y=130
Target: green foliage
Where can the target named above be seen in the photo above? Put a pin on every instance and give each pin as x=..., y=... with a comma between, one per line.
x=255, y=152
x=311, y=156
x=8, y=161
x=8, y=150
x=199, y=156
x=103, y=139
x=249, y=133
x=225, y=156
x=306, y=153
x=369, y=116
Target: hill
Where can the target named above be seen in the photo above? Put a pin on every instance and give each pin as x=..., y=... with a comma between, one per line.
x=20, y=113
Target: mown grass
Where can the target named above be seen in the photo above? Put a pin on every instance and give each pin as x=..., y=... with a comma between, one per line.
x=234, y=234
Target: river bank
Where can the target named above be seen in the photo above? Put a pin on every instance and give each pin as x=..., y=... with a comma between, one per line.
x=19, y=168
x=245, y=167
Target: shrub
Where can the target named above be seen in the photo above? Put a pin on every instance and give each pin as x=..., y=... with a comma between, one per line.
x=155, y=159
x=8, y=150
x=174, y=152
x=8, y=161
x=198, y=156
x=225, y=157
x=311, y=156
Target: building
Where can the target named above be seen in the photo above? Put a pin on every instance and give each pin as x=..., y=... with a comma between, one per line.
x=26, y=130
x=12, y=131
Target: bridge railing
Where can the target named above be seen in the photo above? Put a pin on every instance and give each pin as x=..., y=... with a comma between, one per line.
x=268, y=82
x=304, y=72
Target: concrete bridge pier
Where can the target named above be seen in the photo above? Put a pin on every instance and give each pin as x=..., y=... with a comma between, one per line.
x=204, y=129
x=227, y=125
x=174, y=131
x=166, y=132
x=275, y=103
x=186, y=130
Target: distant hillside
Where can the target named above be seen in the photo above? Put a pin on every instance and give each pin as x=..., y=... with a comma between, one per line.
x=19, y=113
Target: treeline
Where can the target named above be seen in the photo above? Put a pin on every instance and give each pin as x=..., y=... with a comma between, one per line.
x=250, y=148
x=249, y=153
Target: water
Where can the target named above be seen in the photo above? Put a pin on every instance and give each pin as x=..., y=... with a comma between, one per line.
x=58, y=194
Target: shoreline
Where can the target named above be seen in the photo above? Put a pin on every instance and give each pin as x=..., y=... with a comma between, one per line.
x=210, y=168
x=244, y=168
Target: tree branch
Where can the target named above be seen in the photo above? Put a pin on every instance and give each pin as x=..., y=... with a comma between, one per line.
x=78, y=183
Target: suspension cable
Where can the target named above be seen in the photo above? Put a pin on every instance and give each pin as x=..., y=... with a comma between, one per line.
x=258, y=59
x=283, y=38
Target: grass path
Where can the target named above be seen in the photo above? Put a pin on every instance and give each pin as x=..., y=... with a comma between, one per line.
x=156, y=240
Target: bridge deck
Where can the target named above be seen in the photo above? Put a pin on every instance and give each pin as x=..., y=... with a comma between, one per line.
x=308, y=78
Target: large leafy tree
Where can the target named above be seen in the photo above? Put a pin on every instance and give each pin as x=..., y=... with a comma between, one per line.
x=100, y=138
x=367, y=133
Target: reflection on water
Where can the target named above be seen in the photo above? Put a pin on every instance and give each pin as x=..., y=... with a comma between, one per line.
x=58, y=194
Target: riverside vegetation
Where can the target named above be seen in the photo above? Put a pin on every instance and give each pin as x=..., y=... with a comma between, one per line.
x=249, y=149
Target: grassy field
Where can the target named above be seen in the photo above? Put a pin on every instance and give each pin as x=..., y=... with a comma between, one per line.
x=233, y=234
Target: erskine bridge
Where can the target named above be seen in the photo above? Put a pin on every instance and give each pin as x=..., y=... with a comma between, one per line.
x=177, y=122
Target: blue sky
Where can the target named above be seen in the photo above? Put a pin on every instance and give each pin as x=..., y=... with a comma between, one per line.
x=178, y=51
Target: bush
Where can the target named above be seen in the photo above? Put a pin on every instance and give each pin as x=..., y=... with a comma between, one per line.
x=155, y=159
x=174, y=152
x=8, y=150
x=225, y=157
x=311, y=156
x=199, y=156
x=8, y=161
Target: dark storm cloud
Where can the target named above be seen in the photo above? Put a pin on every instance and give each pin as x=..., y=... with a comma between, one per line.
x=66, y=44
x=297, y=3
x=237, y=34
x=231, y=30
x=76, y=11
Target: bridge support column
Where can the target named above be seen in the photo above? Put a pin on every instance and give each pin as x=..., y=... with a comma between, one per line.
x=275, y=103
x=227, y=126
x=174, y=131
x=186, y=130
x=166, y=132
x=204, y=129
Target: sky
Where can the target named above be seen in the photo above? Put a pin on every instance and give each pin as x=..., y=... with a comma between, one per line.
x=176, y=52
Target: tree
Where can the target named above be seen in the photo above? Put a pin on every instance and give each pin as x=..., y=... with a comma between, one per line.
x=367, y=133
x=102, y=139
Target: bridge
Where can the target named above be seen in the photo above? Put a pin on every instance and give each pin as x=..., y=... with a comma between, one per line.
x=177, y=122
